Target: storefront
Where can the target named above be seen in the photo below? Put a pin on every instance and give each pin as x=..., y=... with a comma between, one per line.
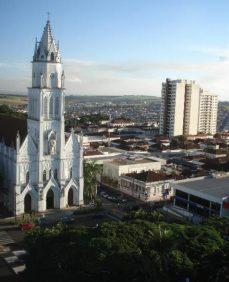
x=204, y=197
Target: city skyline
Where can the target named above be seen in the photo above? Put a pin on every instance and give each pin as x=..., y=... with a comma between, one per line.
x=116, y=48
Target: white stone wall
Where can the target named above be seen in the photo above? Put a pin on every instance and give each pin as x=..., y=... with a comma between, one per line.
x=145, y=191
x=44, y=162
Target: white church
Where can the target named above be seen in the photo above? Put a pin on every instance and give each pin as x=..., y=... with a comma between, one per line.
x=42, y=168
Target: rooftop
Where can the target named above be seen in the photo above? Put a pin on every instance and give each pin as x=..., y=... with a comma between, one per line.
x=131, y=161
x=92, y=153
x=122, y=120
x=216, y=187
x=152, y=176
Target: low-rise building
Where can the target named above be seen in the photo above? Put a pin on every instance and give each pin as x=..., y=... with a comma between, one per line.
x=122, y=122
x=147, y=185
x=115, y=168
x=102, y=154
x=203, y=196
x=89, y=140
x=199, y=136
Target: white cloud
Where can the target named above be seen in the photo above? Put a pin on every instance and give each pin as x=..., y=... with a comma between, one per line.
x=95, y=78
x=215, y=51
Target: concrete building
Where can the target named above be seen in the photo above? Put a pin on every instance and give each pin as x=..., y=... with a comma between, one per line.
x=122, y=122
x=102, y=155
x=147, y=185
x=186, y=109
x=42, y=170
x=208, y=112
x=191, y=106
x=203, y=196
x=179, y=107
x=113, y=169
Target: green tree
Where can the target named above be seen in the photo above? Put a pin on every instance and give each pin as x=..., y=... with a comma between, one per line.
x=133, y=250
x=91, y=172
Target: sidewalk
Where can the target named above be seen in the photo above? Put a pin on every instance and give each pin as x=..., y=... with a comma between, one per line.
x=6, y=273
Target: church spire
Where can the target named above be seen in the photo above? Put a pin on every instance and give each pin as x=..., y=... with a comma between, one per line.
x=47, y=49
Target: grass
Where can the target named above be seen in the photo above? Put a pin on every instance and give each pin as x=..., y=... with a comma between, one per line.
x=13, y=100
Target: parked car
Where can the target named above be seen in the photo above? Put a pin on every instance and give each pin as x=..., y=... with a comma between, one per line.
x=26, y=226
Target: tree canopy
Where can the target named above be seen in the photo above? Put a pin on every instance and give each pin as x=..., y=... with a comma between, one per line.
x=133, y=250
x=91, y=172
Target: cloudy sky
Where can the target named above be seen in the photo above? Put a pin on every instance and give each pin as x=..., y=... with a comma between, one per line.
x=119, y=47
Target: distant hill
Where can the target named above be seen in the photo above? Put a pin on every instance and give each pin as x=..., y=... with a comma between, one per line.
x=114, y=99
x=13, y=100
x=17, y=100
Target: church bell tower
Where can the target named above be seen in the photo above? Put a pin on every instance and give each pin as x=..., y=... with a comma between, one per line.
x=46, y=105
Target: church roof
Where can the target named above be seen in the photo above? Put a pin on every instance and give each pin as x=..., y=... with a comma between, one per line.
x=47, y=49
x=9, y=126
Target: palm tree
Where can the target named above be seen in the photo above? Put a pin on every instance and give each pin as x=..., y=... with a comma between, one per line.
x=91, y=172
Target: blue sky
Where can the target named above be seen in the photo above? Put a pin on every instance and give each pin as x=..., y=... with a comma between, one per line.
x=119, y=46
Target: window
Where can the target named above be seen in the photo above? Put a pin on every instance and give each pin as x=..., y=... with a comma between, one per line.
x=51, y=106
x=70, y=174
x=181, y=194
x=27, y=177
x=215, y=208
x=53, y=80
x=56, y=174
x=50, y=173
x=45, y=106
x=52, y=56
x=44, y=176
x=57, y=106
x=199, y=201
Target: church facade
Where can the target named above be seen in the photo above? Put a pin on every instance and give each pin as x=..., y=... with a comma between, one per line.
x=43, y=169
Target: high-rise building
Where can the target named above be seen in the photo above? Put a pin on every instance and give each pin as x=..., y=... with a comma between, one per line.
x=208, y=112
x=186, y=109
x=43, y=169
x=179, y=107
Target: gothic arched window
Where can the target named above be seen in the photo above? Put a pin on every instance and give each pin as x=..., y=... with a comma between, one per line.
x=53, y=80
x=56, y=174
x=44, y=176
x=45, y=106
x=27, y=177
x=52, y=56
x=50, y=173
x=70, y=173
x=51, y=106
x=62, y=80
x=57, y=105
x=41, y=80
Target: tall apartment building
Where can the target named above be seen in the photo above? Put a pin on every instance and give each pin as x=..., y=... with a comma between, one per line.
x=179, y=107
x=186, y=109
x=208, y=112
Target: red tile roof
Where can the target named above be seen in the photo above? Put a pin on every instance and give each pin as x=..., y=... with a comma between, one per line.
x=152, y=176
x=92, y=153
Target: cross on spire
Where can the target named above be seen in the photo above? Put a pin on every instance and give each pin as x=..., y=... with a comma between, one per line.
x=48, y=15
